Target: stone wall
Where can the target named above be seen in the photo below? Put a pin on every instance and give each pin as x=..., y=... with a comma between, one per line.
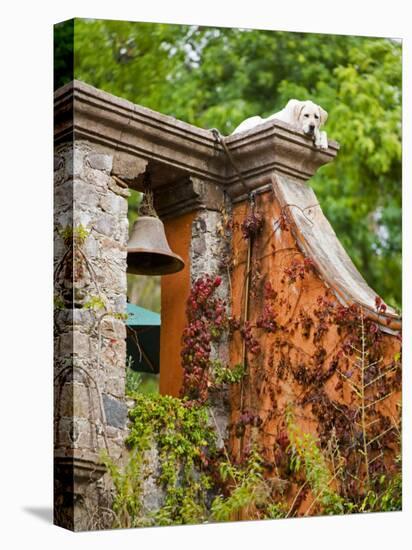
x=210, y=245
x=91, y=232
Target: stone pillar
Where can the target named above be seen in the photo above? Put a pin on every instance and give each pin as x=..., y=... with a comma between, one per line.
x=91, y=232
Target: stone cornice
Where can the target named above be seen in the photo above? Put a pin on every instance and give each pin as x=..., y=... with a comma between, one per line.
x=122, y=126
x=84, y=112
x=273, y=147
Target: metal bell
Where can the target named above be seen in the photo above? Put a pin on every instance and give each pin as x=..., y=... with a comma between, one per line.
x=148, y=252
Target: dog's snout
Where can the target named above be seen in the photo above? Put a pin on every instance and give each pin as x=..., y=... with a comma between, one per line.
x=311, y=127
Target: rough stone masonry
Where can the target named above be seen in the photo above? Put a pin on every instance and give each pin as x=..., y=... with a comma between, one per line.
x=207, y=252
x=91, y=232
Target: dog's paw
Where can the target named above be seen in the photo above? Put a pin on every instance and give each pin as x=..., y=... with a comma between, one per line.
x=320, y=140
x=323, y=141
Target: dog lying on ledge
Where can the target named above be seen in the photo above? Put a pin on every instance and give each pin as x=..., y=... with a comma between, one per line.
x=303, y=115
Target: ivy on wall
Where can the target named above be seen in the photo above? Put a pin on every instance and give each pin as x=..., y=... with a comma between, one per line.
x=349, y=463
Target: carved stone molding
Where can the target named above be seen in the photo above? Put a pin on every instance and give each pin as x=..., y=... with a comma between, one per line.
x=177, y=150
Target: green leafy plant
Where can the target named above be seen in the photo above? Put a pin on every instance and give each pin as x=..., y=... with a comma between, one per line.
x=223, y=374
x=185, y=443
x=58, y=302
x=246, y=483
x=306, y=455
x=197, y=484
x=249, y=492
x=78, y=233
x=94, y=302
x=128, y=481
x=133, y=378
x=200, y=483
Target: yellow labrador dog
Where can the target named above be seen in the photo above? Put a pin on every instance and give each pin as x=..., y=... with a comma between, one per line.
x=303, y=115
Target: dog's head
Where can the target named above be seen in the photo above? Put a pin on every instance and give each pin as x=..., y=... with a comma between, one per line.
x=308, y=116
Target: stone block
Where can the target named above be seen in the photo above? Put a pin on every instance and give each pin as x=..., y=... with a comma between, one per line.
x=113, y=203
x=199, y=225
x=113, y=328
x=66, y=344
x=115, y=385
x=81, y=343
x=63, y=218
x=119, y=303
x=99, y=161
x=106, y=224
x=153, y=495
x=122, y=234
x=127, y=166
x=63, y=195
x=64, y=394
x=115, y=411
x=91, y=247
x=58, y=169
x=84, y=401
x=74, y=166
x=83, y=433
x=84, y=318
x=111, y=246
x=59, y=248
x=199, y=247
x=66, y=319
x=118, y=189
x=64, y=432
x=112, y=277
x=58, y=162
x=84, y=193
x=100, y=180
x=82, y=217
x=75, y=433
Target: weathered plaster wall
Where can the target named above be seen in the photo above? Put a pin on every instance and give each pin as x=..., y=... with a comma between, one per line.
x=90, y=347
x=300, y=360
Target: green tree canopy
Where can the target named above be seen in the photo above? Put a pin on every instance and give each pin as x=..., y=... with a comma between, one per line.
x=216, y=77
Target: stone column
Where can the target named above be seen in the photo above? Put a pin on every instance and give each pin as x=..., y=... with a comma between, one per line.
x=91, y=232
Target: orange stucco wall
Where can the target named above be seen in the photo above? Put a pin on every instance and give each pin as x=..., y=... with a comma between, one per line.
x=175, y=290
x=271, y=383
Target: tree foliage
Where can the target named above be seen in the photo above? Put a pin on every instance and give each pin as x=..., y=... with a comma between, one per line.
x=216, y=77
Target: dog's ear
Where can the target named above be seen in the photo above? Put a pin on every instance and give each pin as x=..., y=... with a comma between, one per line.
x=294, y=108
x=323, y=116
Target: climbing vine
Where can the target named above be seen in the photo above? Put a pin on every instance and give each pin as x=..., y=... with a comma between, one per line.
x=269, y=465
x=207, y=320
x=185, y=444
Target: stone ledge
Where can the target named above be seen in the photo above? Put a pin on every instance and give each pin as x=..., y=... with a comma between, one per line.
x=176, y=149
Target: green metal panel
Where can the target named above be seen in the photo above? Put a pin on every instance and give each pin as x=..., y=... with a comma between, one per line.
x=138, y=316
x=143, y=339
